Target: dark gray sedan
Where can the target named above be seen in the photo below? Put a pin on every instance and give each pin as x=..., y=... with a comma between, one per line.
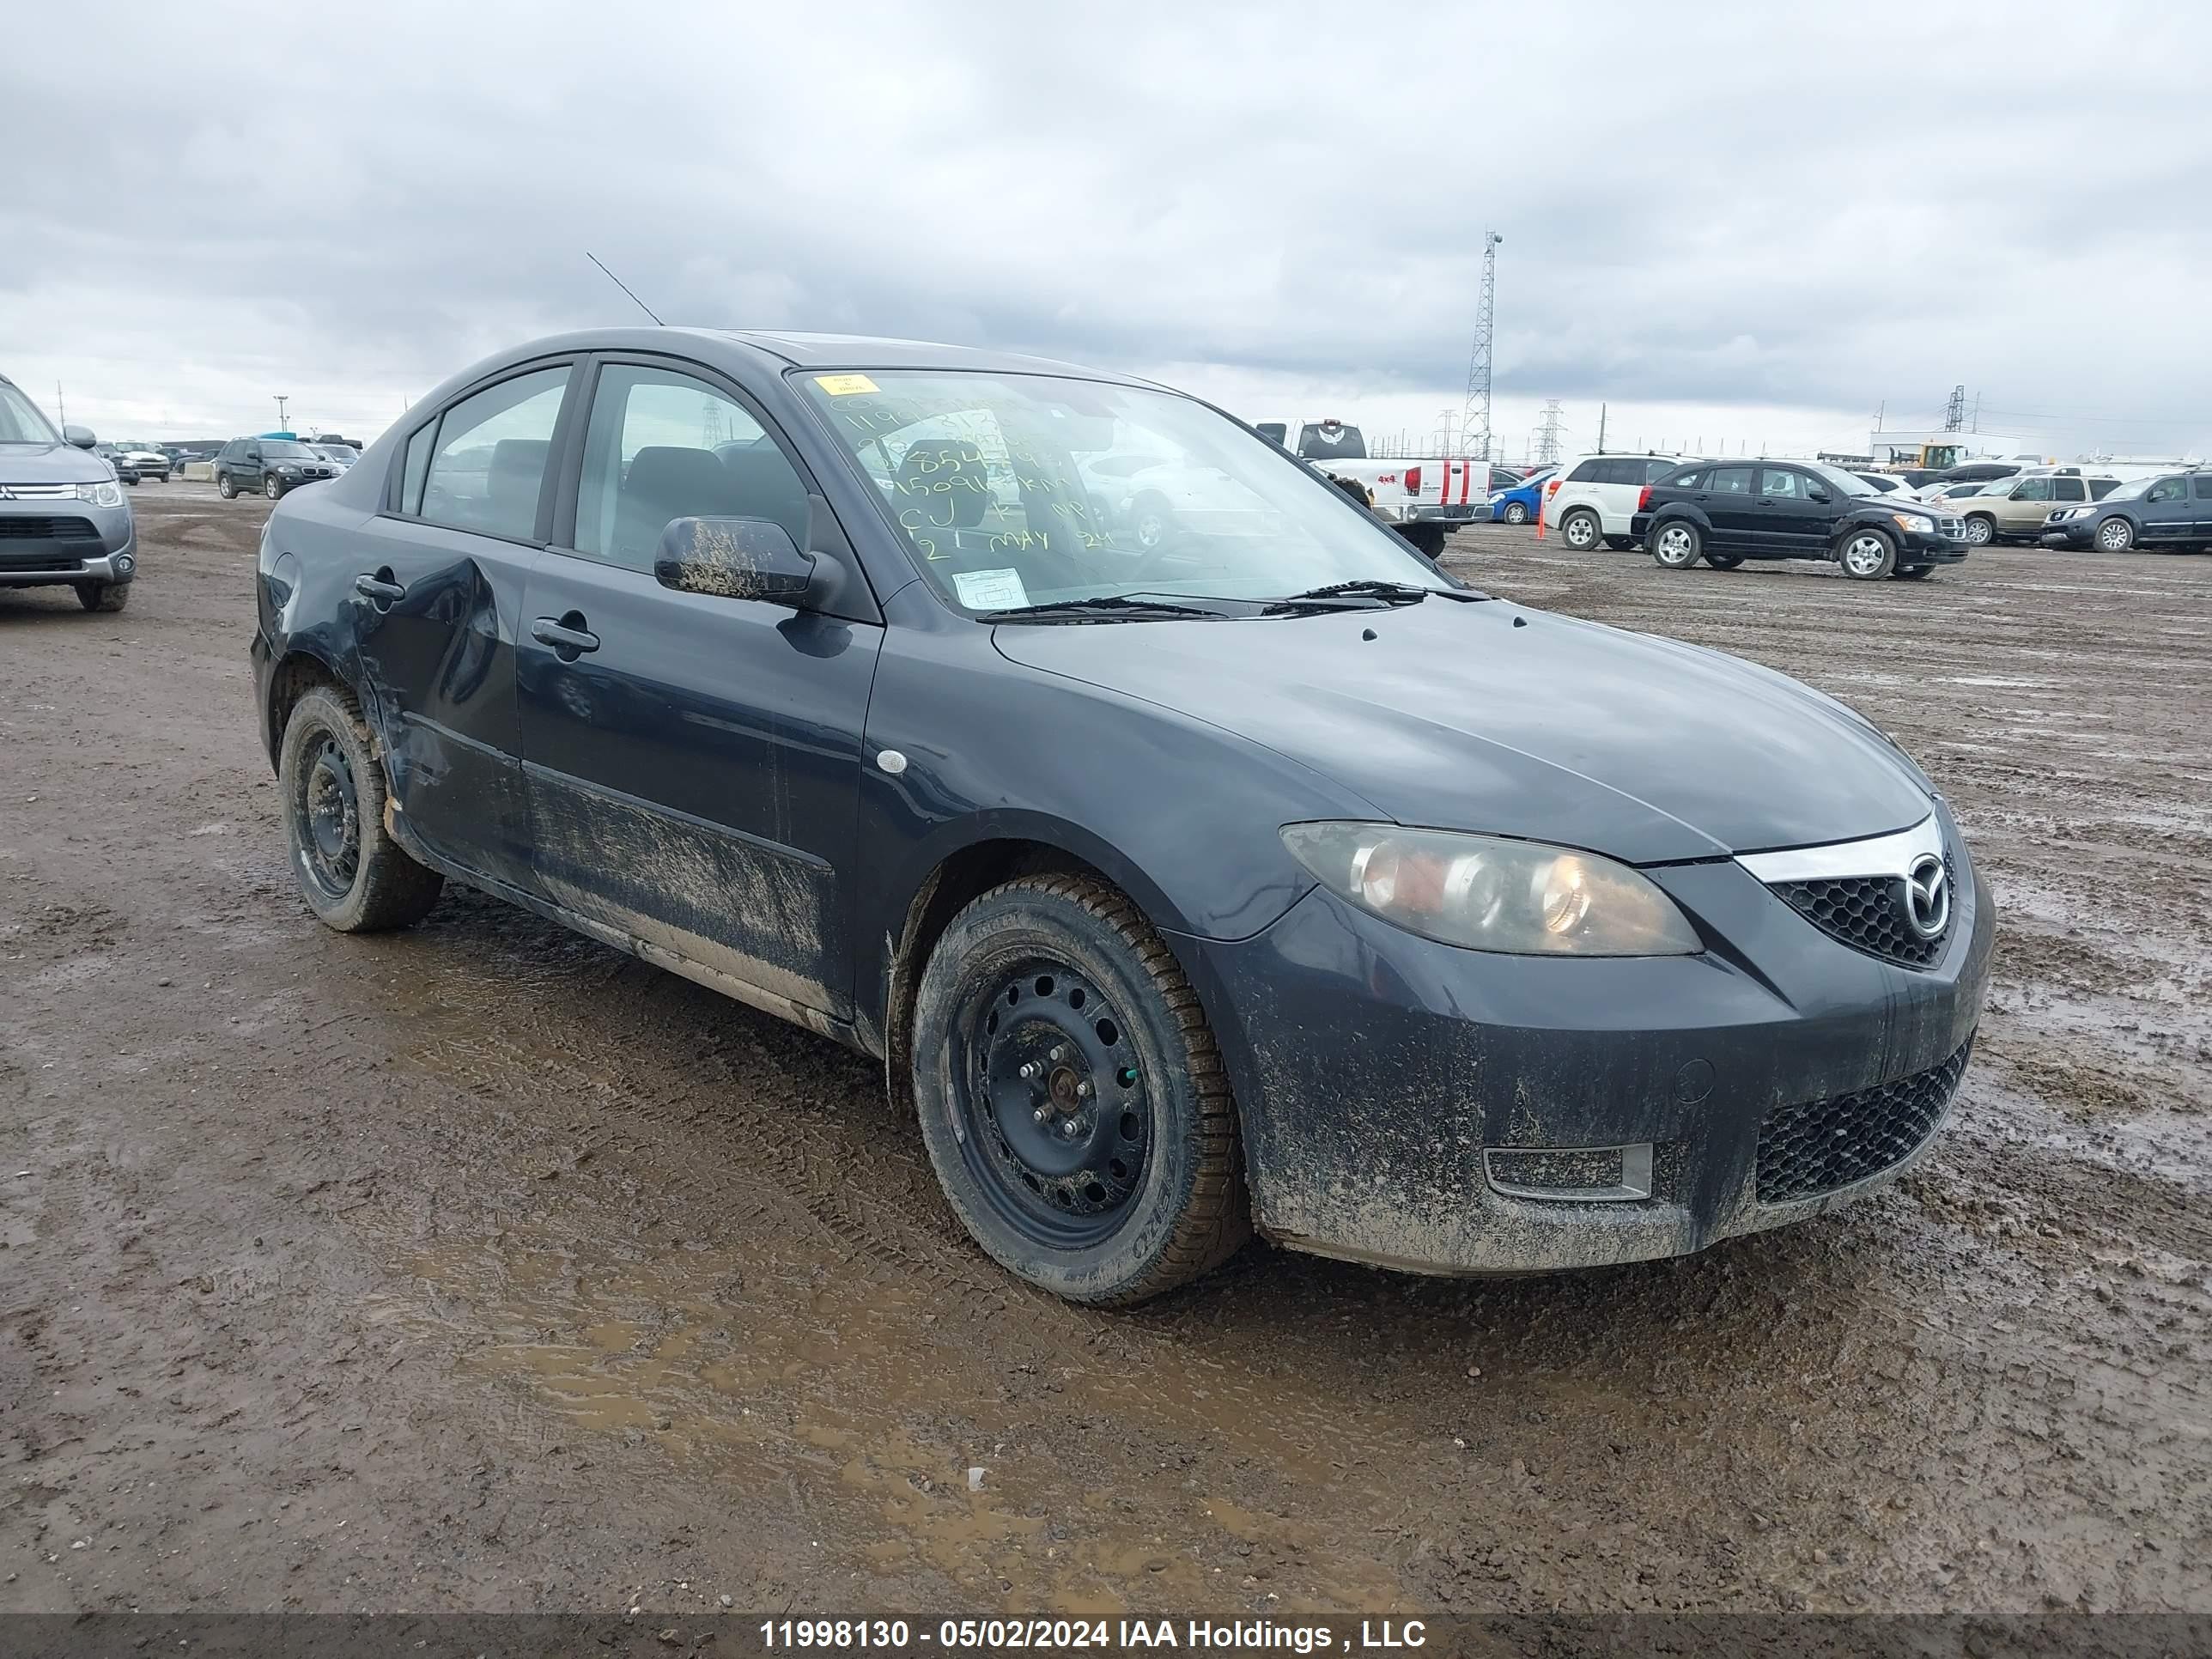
x=1182, y=887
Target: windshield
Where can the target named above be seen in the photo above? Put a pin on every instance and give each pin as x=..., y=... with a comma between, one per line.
x=1022, y=489
x=20, y=423
x=284, y=449
x=1847, y=483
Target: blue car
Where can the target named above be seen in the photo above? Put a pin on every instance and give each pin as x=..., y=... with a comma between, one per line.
x=1518, y=504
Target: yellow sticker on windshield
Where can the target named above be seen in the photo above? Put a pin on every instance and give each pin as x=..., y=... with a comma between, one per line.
x=845, y=385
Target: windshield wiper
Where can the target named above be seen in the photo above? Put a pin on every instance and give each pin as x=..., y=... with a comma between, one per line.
x=1105, y=607
x=1351, y=593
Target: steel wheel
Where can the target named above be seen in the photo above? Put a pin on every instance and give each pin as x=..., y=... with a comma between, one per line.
x=1867, y=555
x=1580, y=530
x=1057, y=1124
x=1675, y=546
x=329, y=809
x=2116, y=535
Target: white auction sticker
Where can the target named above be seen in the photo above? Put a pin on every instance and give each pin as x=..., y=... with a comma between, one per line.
x=990, y=590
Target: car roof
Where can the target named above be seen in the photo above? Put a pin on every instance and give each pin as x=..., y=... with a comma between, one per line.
x=807, y=350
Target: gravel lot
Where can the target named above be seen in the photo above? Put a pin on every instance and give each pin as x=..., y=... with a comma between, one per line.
x=480, y=1267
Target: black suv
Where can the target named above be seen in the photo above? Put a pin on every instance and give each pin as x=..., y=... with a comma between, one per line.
x=1726, y=511
x=271, y=465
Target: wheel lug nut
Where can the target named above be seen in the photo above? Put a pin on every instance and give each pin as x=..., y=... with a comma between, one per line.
x=1067, y=1127
x=1083, y=1090
x=1040, y=1114
x=1029, y=1068
x=1059, y=1054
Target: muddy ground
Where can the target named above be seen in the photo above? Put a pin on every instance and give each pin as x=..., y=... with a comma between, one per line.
x=480, y=1267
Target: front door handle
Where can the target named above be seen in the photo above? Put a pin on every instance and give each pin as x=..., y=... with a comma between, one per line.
x=380, y=587
x=567, y=634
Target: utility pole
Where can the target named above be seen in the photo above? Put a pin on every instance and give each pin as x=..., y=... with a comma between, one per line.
x=281, y=401
x=61, y=403
x=1954, y=412
x=1978, y=411
x=1601, y=430
x=1475, y=418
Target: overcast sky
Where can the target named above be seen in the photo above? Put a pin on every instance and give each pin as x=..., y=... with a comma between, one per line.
x=1744, y=226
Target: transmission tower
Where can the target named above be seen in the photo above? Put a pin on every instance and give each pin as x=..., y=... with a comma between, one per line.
x=1954, y=413
x=1547, y=435
x=1474, y=419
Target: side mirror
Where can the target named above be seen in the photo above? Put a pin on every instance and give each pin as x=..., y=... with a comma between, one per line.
x=733, y=559
x=253, y=452
x=79, y=435
x=1819, y=494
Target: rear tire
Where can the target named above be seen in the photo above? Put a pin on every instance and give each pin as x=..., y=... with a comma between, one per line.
x=1915, y=573
x=1580, y=530
x=1723, y=561
x=353, y=876
x=1112, y=1173
x=1676, y=545
x=1980, y=529
x=1867, y=555
x=103, y=596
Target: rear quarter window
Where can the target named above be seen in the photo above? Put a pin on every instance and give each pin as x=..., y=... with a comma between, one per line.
x=1586, y=473
x=1688, y=478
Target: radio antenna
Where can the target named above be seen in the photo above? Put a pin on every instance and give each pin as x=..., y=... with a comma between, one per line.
x=624, y=287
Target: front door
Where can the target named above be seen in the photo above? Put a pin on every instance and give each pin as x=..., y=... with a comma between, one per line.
x=1732, y=511
x=2167, y=514
x=437, y=596
x=1791, y=523
x=2022, y=513
x=693, y=761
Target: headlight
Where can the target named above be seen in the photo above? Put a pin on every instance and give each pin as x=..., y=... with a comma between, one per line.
x=286, y=471
x=1914, y=523
x=1488, y=894
x=105, y=494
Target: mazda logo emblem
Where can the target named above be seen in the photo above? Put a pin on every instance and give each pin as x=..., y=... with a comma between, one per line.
x=1928, y=896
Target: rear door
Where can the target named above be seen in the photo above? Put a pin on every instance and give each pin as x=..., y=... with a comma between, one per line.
x=1729, y=505
x=693, y=761
x=2200, y=490
x=438, y=596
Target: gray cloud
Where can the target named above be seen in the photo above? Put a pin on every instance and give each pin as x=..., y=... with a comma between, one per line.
x=1733, y=208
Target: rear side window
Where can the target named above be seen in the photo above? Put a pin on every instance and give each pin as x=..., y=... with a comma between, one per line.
x=1731, y=481
x=2202, y=488
x=487, y=469
x=1654, y=471
x=2100, y=488
x=1586, y=473
x=2068, y=489
x=418, y=463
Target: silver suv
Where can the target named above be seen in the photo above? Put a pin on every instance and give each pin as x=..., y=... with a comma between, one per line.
x=64, y=520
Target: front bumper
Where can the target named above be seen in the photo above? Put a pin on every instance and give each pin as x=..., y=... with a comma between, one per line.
x=1379, y=1076
x=109, y=554
x=2079, y=533
x=1916, y=549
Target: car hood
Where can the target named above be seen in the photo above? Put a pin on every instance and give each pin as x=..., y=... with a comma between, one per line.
x=1490, y=717
x=51, y=463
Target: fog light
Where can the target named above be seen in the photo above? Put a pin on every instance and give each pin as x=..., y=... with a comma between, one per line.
x=1571, y=1174
x=124, y=564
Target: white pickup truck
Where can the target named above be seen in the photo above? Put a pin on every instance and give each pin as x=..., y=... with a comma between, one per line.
x=1423, y=501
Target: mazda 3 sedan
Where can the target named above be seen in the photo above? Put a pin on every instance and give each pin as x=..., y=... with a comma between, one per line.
x=1183, y=886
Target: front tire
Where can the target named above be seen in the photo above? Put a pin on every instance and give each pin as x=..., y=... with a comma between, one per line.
x=2115, y=535
x=1428, y=539
x=1867, y=555
x=1517, y=512
x=273, y=487
x=1580, y=530
x=1676, y=545
x=353, y=875
x=226, y=486
x=103, y=596
x=1072, y=1095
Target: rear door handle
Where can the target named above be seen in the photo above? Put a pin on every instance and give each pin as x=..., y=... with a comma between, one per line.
x=567, y=634
x=380, y=587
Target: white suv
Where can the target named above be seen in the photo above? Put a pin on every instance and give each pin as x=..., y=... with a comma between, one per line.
x=1592, y=497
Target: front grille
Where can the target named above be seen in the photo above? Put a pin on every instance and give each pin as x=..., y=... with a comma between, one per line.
x=11, y=560
x=1867, y=913
x=1954, y=528
x=1820, y=1144
x=37, y=492
x=32, y=528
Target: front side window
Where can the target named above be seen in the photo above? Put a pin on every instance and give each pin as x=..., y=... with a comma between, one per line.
x=2032, y=490
x=1013, y=489
x=1731, y=481
x=663, y=445
x=2167, y=489
x=488, y=468
x=1781, y=483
